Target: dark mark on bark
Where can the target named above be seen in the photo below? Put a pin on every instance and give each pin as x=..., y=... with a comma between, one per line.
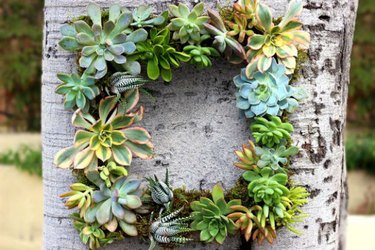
x=328, y=179
x=331, y=198
x=336, y=128
x=325, y=230
x=325, y=18
x=319, y=107
x=208, y=129
x=327, y=164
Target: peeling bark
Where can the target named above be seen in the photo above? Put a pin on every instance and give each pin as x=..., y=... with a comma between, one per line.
x=196, y=126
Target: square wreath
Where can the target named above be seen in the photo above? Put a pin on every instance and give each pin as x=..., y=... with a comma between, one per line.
x=111, y=46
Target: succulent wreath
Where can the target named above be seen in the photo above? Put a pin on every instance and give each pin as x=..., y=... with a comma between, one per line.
x=111, y=46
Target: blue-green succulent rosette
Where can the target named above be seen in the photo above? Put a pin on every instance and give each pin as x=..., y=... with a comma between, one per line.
x=267, y=92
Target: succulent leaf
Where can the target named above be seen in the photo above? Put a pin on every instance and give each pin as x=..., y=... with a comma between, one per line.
x=271, y=132
x=209, y=216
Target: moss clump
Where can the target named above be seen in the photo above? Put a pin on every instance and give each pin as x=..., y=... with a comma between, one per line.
x=239, y=191
x=301, y=59
x=183, y=198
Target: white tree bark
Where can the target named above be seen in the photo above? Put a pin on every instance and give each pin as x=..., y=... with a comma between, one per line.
x=196, y=126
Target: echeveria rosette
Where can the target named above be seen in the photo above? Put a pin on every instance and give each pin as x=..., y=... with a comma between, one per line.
x=270, y=132
x=143, y=17
x=224, y=43
x=159, y=55
x=115, y=206
x=210, y=216
x=277, y=40
x=111, y=137
x=103, y=41
x=77, y=90
x=269, y=191
x=267, y=93
x=275, y=159
x=187, y=26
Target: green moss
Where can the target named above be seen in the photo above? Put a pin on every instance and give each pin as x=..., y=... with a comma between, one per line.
x=301, y=59
x=239, y=191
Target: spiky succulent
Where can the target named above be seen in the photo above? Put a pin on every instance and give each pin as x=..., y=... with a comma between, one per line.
x=226, y=44
x=247, y=156
x=167, y=229
x=200, y=56
x=103, y=41
x=120, y=82
x=297, y=197
x=92, y=233
x=159, y=55
x=142, y=17
x=161, y=192
x=80, y=196
x=115, y=206
x=277, y=158
x=267, y=93
x=280, y=40
x=111, y=137
x=245, y=219
x=78, y=90
x=111, y=172
x=271, y=132
x=187, y=26
x=210, y=216
x=270, y=190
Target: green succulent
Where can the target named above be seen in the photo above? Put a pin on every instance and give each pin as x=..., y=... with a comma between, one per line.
x=159, y=55
x=167, y=229
x=142, y=17
x=267, y=93
x=269, y=190
x=80, y=196
x=188, y=25
x=275, y=158
x=78, y=90
x=111, y=172
x=277, y=40
x=271, y=132
x=92, y=233
x=210, y=216
x=116, y=206
x=161, y=191
x=226, y=44
x=111, y=137
x=103, y=41
x=200, y=56
x=120, y=82
x=247, y=156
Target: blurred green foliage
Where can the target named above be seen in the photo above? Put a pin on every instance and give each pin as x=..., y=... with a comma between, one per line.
x=360, y=151
x=21, y=35
x=362, y=87
x=25, y=158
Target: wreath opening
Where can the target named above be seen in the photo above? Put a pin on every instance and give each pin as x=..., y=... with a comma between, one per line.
x=120, y=52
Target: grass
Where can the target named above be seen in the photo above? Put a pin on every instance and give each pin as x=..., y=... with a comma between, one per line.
x=24, y=158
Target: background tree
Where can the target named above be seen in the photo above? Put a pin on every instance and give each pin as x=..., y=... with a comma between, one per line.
x=196, y=126
x=20, y=69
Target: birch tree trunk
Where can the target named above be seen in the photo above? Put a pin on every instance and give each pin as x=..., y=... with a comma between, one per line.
x=196, y=126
